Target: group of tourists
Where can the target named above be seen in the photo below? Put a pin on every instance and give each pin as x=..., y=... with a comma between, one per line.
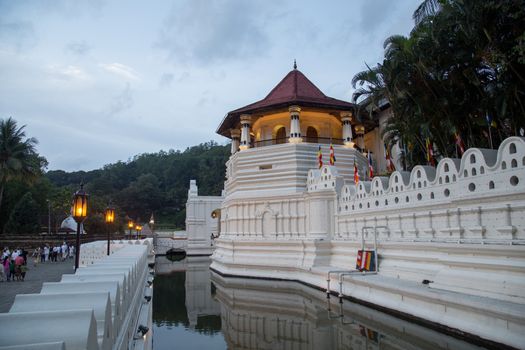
x=14, y=265
x=54, y=254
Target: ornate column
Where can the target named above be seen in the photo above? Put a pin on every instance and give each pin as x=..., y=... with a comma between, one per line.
x=236, y=134
x=360, y=138
x=295, y=125
x=246, y=121
x=346, y=118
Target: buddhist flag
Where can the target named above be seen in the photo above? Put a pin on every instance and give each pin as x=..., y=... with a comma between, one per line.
x=356, y=174
x=332, y=155
x=320, y=157
x=370, y=166
x=430, y=152
x=389, y=163
x=490, y=121
x=365, y=260
x=459, y=143
x=369, y=333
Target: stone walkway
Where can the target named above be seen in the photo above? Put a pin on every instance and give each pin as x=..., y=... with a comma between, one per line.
x=47, y=272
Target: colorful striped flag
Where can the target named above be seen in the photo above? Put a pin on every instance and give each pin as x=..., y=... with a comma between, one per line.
x=320, y=157
x=356, y=174
x=459, y=143
x=389, y=164
x=332, y=155
x=369, y=333
x=430, y=152
x=370, y=166
x=365, y=260
x=491, y=122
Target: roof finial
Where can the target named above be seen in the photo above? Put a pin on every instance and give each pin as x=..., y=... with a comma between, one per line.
x=294, y=64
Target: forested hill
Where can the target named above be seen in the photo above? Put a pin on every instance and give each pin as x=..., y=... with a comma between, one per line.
x=152, y=182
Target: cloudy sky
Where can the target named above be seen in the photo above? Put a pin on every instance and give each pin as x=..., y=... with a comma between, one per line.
x=98, y=81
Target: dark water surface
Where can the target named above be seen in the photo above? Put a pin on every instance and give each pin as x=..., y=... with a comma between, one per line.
x=194, y=308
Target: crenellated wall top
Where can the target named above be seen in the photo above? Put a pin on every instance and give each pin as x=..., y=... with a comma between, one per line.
x=479, y=171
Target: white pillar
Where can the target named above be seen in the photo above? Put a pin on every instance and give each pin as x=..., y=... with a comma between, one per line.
x=360, y=138
x=346, y=118
x=295, y=125
x=246, y=120
x=236, y=134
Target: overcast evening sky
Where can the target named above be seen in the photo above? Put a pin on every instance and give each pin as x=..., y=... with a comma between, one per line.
x=100, y=81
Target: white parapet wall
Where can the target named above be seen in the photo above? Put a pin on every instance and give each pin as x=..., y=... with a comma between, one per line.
x=99, y=307
x=459, y=227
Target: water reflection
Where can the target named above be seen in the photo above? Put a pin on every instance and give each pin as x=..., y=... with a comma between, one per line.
x=190, y=312
x=185, y=316
x=261, y=314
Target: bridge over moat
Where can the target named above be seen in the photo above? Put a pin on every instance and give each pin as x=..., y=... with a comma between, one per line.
x=166, y=242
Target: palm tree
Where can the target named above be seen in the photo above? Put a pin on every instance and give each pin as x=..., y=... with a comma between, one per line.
x=17, y=155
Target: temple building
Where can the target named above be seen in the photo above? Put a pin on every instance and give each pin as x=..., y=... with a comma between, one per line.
x=298, y=114
x=442, y=244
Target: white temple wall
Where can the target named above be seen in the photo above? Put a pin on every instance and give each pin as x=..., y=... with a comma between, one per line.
x=200, y=226
x=479, y=198
x=460, y=226
x=281, y=170
x=258, y=219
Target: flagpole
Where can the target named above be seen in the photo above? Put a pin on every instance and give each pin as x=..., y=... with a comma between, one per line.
x=490, y=137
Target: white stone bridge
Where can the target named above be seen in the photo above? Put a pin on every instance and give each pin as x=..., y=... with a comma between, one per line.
x=174, y=241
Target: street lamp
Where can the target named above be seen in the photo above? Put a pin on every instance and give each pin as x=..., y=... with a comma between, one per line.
x=138, y=228
x=151, y=222
x=152, y=227
x=130, y=226
x=109, y=217
x=79, y=209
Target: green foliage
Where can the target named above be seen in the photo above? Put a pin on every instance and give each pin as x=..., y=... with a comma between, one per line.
x=18, y=158
x=149, y=183
x=463, y=60
x=24, y=216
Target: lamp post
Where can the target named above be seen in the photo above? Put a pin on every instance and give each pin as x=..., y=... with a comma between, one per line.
x=152, y=227
x=48, y=216
x=79, y=209
x=130, y=226
x=138, y=228
x=109, y=217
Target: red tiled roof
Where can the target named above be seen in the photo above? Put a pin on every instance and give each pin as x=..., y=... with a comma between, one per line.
x=293, y=89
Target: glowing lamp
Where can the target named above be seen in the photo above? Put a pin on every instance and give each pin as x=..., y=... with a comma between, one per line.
x=79, y=212
x=80, y=201
x=109, y=215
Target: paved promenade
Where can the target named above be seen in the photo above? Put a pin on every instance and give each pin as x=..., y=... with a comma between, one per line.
x=46, y=272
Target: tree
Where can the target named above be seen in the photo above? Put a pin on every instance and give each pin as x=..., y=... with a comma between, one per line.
x=18, y=158
x=463, y=60
x=24, y=217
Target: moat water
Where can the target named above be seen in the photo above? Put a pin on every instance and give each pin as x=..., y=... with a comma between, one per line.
x=194, y=308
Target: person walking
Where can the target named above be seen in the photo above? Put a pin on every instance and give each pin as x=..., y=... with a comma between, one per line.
x=6, y=264
x=64, y=251
x=19, y=261
x=36, y=256
x=12, y=269
x=46, y=253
